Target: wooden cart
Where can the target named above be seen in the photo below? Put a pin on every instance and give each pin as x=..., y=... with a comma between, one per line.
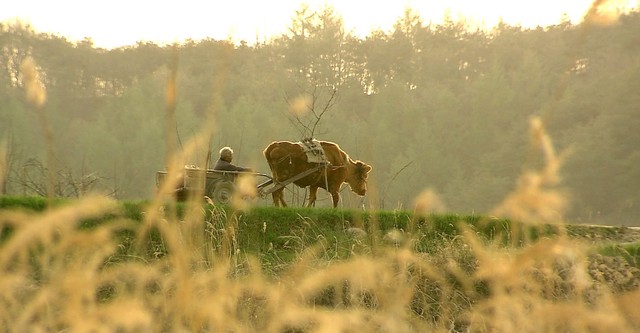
x=220, y=186
x=215, y=184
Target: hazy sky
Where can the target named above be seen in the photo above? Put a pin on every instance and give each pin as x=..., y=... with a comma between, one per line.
x=124, y=22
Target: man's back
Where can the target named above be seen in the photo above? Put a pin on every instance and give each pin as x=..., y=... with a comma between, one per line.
x=223, y=165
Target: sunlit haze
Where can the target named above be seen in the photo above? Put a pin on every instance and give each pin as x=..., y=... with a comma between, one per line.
x=120, y=23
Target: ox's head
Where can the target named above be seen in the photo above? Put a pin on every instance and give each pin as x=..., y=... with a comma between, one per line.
x=357, y=177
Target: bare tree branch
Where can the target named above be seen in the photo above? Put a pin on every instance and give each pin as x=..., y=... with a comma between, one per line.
x=312, y=105
x=330, y=103
x=34, y=177
x=295, y=121
x=384, y=193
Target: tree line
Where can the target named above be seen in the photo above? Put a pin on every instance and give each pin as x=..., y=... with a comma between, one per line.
x=435, y=106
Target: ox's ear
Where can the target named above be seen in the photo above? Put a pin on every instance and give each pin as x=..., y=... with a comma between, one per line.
x=365, y=167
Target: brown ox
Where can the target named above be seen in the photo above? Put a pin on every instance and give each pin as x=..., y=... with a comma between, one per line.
x=287, y=159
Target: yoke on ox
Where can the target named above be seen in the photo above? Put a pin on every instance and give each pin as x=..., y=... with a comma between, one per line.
x=316, y=164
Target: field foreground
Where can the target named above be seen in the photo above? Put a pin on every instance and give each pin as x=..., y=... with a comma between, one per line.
x=98, y=265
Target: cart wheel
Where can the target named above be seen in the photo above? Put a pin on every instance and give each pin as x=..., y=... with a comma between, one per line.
x=223, y=192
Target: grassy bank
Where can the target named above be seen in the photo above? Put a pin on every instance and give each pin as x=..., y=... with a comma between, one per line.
x=282, y=230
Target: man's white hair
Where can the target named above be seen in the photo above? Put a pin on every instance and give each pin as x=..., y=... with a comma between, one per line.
x=226, y=153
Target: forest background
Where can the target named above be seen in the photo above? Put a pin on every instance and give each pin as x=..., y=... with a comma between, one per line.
x=428, y=106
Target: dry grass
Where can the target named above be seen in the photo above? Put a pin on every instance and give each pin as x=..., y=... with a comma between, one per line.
x=57, y=277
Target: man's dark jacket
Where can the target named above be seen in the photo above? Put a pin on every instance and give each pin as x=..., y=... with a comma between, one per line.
x=223, y=165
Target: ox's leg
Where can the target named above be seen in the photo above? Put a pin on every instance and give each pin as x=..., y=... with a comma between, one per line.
x=313, y=193
x=278, y=198
x=335, y=196
x=281, y=196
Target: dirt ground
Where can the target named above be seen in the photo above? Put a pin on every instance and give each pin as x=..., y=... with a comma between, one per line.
x=618, y=272
x=604, y=234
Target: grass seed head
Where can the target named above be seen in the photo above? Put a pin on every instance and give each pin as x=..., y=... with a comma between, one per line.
x=34, y=88
x=300, y=105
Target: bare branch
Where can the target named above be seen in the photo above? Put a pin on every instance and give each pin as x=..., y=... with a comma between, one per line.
x=393, y=179
x=34, y=179
x=330, y=103
x=314, y=110
x=295, y=120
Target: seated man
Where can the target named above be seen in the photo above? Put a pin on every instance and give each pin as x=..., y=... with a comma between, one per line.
x=224, y=162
